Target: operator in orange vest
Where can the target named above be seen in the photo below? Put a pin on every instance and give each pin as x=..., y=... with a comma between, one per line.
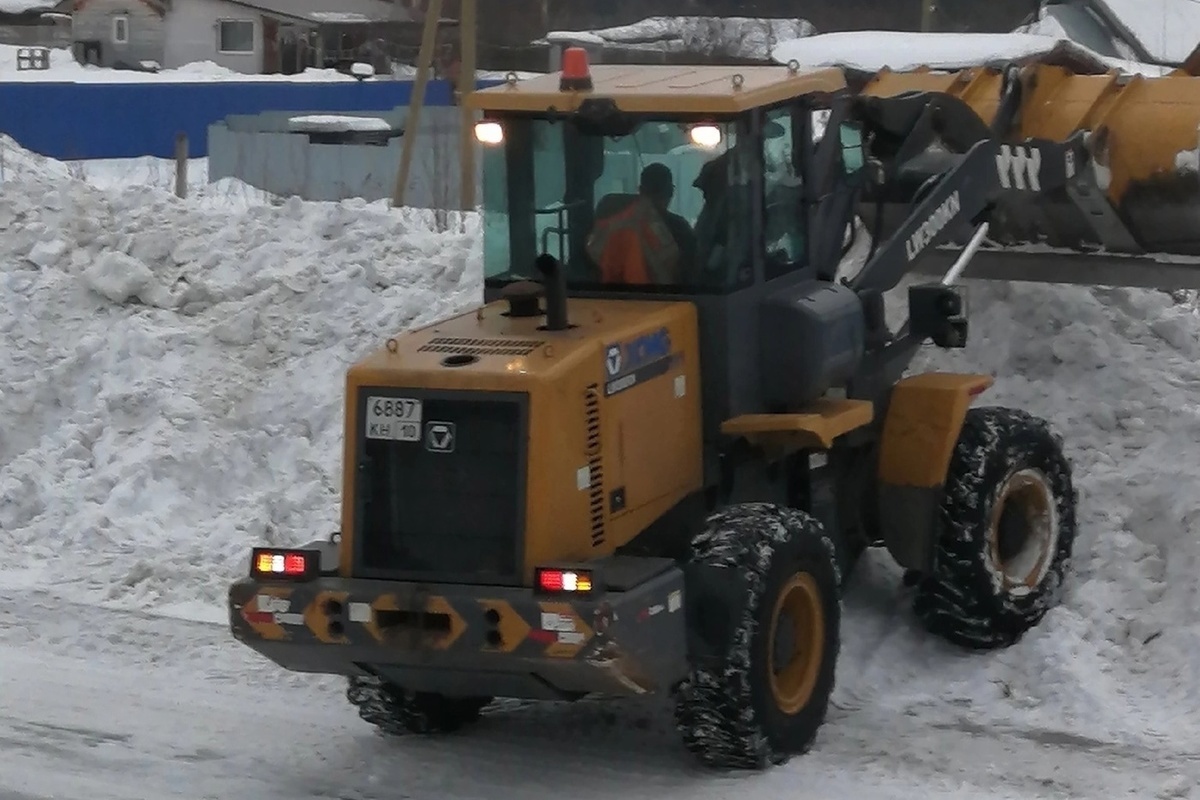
x=643, y=242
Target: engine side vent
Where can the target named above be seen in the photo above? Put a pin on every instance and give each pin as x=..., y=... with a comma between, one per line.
x=595, y=463
x=480, y=347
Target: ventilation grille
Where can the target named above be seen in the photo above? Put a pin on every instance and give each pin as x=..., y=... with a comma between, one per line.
x=595, y=463
x=480, y=347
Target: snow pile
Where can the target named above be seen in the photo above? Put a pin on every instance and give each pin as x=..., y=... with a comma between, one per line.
x=1169, y=30
x=118, y=173
x=171, y=376
x=871, y=51
x=740, y=37
x=17, y=162
x=1116, y=372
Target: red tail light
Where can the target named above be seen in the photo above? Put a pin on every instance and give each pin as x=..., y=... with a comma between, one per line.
x=287, y=564
x=556, y=581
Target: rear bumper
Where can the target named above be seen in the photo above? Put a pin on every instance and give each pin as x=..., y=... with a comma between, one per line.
x=470, y=640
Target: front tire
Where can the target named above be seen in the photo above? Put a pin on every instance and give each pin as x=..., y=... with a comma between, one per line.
x=1007, y=531
x=767, y=694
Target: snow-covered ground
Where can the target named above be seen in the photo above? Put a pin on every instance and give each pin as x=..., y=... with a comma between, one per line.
x=121, y=706
x=170, y=385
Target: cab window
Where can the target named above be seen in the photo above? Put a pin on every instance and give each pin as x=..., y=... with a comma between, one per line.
x=783, y=196
x=663, y=207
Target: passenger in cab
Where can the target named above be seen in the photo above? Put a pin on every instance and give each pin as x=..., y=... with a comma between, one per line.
x=643, y=241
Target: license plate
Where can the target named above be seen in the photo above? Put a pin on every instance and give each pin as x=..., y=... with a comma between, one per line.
x=397, y=419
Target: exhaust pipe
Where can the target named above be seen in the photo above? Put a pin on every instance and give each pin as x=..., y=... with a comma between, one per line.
x=556, y=292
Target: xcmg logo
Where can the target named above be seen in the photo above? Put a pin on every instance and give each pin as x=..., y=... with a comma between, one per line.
x=636, y=353
x=636, y=361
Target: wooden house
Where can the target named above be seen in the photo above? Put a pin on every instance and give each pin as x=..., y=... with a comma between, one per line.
x=250, y=36
x=35, y=23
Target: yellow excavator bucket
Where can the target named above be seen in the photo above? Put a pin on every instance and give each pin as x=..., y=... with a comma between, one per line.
x=1143, y=135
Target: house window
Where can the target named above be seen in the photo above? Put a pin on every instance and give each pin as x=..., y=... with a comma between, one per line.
x=235, y=36
x=120, y=29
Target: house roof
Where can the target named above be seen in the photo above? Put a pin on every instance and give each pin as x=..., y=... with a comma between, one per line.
x=1151, y=31
x=1168, y=30
x=323, y=12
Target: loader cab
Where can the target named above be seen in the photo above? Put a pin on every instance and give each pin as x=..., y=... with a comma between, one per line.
x=729, y=170
x=714, y=204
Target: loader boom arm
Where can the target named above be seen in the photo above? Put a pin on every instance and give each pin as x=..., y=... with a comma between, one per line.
x=965, y=195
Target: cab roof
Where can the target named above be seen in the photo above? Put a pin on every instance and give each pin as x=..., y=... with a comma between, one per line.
x=661, y=88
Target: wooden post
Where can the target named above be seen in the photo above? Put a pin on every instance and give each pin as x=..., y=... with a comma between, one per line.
x=424, y=63
x=181, y=164
x=466, y=85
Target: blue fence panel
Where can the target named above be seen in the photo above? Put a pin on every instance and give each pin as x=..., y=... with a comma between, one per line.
x=71, y=121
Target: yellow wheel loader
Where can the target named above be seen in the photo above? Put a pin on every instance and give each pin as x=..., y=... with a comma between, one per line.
x=649, y=461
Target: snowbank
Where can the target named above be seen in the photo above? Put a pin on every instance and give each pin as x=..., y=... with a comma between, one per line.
x=1116, y=371
x=17, y=163
x=170, y=375
x=871, y=51
x=741, y=37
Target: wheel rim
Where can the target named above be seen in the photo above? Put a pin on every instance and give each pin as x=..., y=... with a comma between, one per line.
x=1023, y=532
x=797, y=643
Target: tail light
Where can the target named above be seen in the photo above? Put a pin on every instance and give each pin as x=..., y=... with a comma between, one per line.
x=292, y=565
x=562, y=581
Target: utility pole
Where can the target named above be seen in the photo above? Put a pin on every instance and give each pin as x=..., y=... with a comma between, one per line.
x=468, y=44
x=928, y=12
x=433, y=18
x=466, y=84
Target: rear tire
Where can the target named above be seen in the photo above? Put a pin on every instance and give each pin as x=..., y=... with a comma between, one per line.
x=1007, y=531
x=397, y=712
x=748, y=710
